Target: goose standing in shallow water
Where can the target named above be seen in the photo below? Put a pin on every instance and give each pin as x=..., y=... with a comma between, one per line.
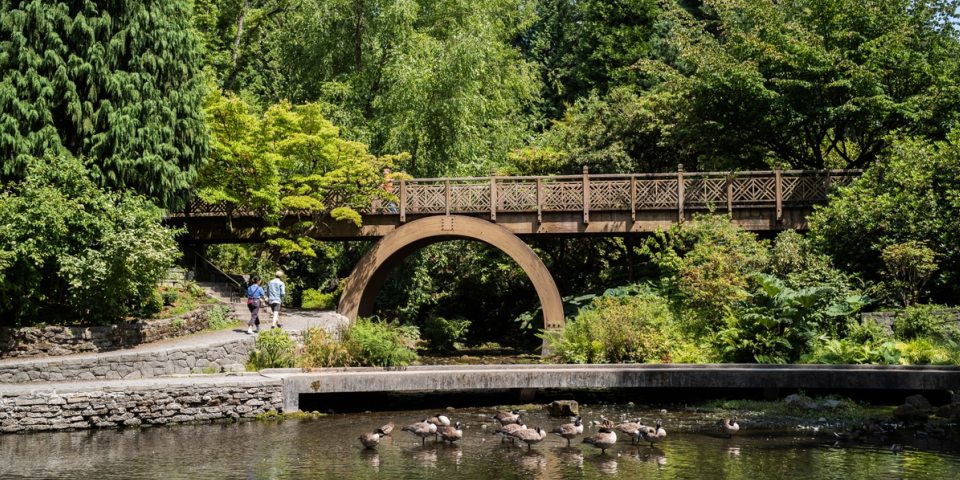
x=371, y=440
x=439, y=420
x=570, y=430
x=632, y=429
x=603, y=440
x=530, y=436
x=507, y=418
x=422, y=429
x=506, y=431
x=654, y=435
x=606, y=423
x=729, y=426
x=451, y=434
x=386, y=429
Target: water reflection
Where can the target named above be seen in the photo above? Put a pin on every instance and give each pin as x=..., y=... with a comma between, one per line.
x=317, y=449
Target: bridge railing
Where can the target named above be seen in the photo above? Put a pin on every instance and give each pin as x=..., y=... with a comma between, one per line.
x=593, y=193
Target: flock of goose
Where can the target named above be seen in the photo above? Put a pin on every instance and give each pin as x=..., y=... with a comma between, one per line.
x=512, y=427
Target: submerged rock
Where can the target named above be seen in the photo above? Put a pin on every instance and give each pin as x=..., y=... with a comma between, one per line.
x=950, y=412
x=909, y=412
x=920, y=403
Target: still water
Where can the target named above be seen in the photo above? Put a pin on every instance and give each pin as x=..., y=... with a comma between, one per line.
x=328, y=448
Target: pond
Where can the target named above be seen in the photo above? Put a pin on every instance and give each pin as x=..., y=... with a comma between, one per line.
x=327, y=447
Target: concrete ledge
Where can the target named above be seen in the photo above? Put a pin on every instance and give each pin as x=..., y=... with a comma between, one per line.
x=471, y=377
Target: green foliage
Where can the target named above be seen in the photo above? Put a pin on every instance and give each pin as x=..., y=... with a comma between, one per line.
x=813, y=84
x=218, y=317
x=177, y=324
x=865, y=331
x=705, y=265
x=915, y=196
x=169, y=297
x=380, y=344
x=288, y=159
x=72, y=251
x=445, y=334
x=847, y=352
x=910, y=265
x=321, y=349
x=924, y=321
x=274, y=349
x=926, y=351
x=116, y=82
x=615, y=330
x=152, y=305
x=315, y=299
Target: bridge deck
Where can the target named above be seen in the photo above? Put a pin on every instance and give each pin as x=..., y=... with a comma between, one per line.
x=478, y=377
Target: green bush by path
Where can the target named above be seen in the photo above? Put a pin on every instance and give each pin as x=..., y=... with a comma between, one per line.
x=445, y=334
x=71, y=251
x=274, y=349
x=365, y=343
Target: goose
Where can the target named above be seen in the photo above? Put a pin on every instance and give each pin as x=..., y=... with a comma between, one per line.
x=570, y=430
x=422, y=429
x=450, y=434
x=896, y=448
x=506, y=431
x=848, y=435
x=632, y=429
x=606, y=423
x=439, y=420
x=729, y=426
x=874, y=428
x=506, y=418
x=371, y=440
x=603, y=440
x=654, y=435
x=386, y=429
x=530, y=436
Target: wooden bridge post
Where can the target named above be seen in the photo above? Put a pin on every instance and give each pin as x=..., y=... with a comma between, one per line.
x=493, y=194
x=446, y=187
x=586, y=195
x=633, y=197
x=779, y=189
x=730, y=193
x=403, y=200
x=539, y=201
x=680, y=191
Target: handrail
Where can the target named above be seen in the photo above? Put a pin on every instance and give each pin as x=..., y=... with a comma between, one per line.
x=225, y=274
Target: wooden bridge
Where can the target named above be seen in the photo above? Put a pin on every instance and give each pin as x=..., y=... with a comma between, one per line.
x=501, y=210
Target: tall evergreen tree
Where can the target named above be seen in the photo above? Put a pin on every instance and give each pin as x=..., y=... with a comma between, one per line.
x=117, y=81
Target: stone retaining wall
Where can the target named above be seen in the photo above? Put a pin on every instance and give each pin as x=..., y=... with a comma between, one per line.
x=886, y=319
x=213, y=358
x=64, y=340
x=133, y=406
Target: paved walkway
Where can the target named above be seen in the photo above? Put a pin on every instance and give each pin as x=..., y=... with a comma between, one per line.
x=292, y=320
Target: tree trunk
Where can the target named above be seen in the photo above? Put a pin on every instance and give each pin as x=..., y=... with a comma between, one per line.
x=236, y=44
x=358, y=5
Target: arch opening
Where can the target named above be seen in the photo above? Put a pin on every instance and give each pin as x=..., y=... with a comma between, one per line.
x=372, y=270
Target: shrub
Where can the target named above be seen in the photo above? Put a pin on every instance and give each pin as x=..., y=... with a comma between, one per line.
x=274, y=349
x=380, y=344
x=910, y=266
x=169, y=297
x=845, y=352
x=217, y=317
x=444, y=334
x=152, y=305
x=615, y=330
x=315, y=299
x=865, y=331
x=70, y=250
x=177, y=324
x=921, y=321
x=322, y=349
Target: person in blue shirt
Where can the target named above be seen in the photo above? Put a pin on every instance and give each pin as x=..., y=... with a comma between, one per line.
x=254, y=294
x=276, y=291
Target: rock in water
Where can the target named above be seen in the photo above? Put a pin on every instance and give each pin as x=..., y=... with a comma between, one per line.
x=563, y=408
x=920, y=403
x=909, y=412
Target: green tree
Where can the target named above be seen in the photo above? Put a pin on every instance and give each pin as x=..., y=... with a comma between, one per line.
x=813, y=84
x=116, y=82
x=289, y=159
x=914, y=196
x=72, y=251
x=910, y=265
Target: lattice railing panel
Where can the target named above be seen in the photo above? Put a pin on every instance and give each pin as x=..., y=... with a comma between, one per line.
x=657, y=193
x=610, y=195
x=426, y=198
x=702, y=191
x=516, y=197
x=803, y=189
x=842, y=181
x=754, y=190
x=470, y=198
x=563, y=196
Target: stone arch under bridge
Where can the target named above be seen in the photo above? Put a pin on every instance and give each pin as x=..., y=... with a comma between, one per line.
x=369, y=274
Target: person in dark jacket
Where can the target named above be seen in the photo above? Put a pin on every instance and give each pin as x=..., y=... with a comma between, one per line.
x=254, y=295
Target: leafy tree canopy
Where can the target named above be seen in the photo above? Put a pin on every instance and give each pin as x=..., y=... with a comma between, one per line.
x=114, y=81
x=813, y=84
